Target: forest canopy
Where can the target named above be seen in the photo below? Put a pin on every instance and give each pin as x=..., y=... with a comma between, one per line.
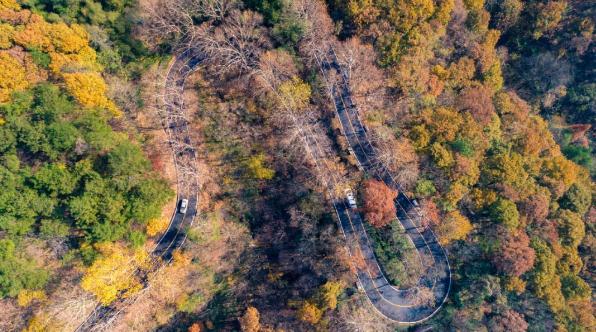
x=67, y=175
x=300, y=119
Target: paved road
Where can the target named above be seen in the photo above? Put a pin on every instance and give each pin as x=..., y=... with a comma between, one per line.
x=396, y=304
x=187, y=185
x=400, y=305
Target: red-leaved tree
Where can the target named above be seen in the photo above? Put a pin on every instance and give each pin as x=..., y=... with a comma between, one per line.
x=514, y=256
x=508, y=321
x=379, y=208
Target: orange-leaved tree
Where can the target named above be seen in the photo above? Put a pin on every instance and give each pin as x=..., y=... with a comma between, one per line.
x=514, y=256
x=249, y=322
x=65, y=54
x=379, y=208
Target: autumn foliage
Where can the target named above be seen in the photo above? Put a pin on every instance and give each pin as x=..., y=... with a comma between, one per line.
x=112, y=274
x=379, y=207
x=71, y=59
x=454, y=226
x=313, y=309
x=249, y=322
x=12, y=76
x=156, y=226
x=89, y=89
x=509, y=321
x=514, y=255
x=309, y=313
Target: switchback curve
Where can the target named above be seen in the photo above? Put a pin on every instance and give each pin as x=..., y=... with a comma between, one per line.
x=395, y=304
x=399, y=305
x=176, y=126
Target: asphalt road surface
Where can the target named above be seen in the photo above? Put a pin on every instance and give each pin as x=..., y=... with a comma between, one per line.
x=399, y=305
x=407, y=306
x=176, y=127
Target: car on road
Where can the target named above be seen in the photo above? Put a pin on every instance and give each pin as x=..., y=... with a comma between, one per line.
x=359, y=286
x=351, y=199
x=183, y=205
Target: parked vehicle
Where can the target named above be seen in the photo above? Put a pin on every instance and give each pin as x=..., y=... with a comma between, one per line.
x=183, y=206
x=351, y=199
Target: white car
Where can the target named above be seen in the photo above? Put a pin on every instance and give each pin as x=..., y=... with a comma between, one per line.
x=351, y=199
x=183, y=206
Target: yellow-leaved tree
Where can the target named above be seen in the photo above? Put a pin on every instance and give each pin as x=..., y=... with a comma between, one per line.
x=111, y=276
x=12, y=76
x=257, y=169
x=89, y=89
x=454, y=227
x=250, y=321
x=310, y=313
x=6, y=32
x=27, y=296
x=9, y=4
x=156, y=226
x=67, y=46
x=294, y=94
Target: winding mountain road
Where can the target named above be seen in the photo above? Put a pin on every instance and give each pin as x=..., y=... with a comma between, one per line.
x=400, y=305
x=176, y=126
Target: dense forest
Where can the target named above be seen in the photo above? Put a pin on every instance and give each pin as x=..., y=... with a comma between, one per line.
x=482, y=111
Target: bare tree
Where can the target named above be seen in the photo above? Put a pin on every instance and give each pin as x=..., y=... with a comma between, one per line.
x=236, y=45
x=275, y=66
x=214, y=9
x=165, y=20
x=318, y=34
x=400, y=158
x=174, y=20
x=358, y=315
x=423, y=296
x=367, y=81
x=124, y=93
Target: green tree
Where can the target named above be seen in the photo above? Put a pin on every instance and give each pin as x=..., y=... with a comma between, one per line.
x=146, y=200
x=463, y=146
x=51, y=228
x=577, y=199
x=425, y=188
x=582, y=99
x=571, y=228
x=54, y=179
x=257, y=169
x=17, y=273
x=137, y=239
x=50, y=104
x=505, y=212
x=575, y=288
x=579, y=154
x=62, y=136
x=270, y=9
x=544, y=281
x=290, y=28
x=126, y=162
x=96, y=131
